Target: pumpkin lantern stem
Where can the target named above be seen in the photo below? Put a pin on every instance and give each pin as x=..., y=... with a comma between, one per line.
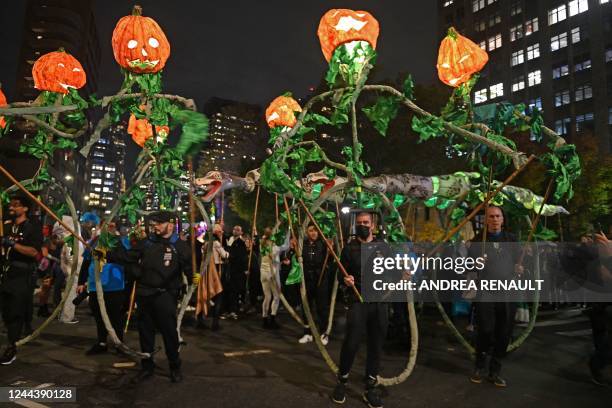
x=452, y=33
x=137, y=10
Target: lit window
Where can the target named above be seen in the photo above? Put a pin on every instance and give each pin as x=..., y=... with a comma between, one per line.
x=497, y=90
x=483, y=45
x=535, y=103
x=560, y=71
x=448, y=3
x=531, y=26
x=478, y=5
x=491, y=1
x=562, y=98
x=586, y=64
x=575, y=35
x=495, y=42
x=480, y=96
x=562, y=126
x=515, y=8
x=581, y=119
x=518, y=57
x=558, y=41
x=480, y=26
x=516, y=32
x=519, y=83
x=609, y=55
x=578, y=6
x=534, y=78
x=609, y=116
x=533, y=51
x=584, y=92
x=96, y=181
x=557, y=14
x=604, y=1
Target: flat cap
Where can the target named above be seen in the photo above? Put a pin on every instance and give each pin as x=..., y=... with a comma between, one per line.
x=163, y=216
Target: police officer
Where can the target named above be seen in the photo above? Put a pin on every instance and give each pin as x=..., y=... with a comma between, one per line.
x=157, y=263
x=494, y=319
x=21, y=244
x=314, y=255
x=370, y=319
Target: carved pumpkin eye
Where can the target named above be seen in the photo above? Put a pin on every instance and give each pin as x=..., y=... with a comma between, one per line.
x=76, y=70
x=132, y=44
x=153, y=42
x=60, y=65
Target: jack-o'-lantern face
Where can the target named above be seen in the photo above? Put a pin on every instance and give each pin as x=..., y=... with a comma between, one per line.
x=459, y=58
x=281, y=112
x=340, y=26
x=57, y=72
x=139, y=43
x=2, y=103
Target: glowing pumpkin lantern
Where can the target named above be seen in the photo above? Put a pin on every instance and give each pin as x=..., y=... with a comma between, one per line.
x=139, y=43
x=459, y=58
x=58, y=71
x=141, y=130
x=281, y=112
x=2, y=103
x=341, y=26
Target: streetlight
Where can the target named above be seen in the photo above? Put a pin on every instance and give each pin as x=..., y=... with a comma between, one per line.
x=345, y=210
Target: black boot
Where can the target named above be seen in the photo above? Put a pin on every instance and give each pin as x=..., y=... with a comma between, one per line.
x=143, y=374
x=339, y=394
x=372, y=395
x=175, y=375
x=273, y=324
x=266, y=322
x=9, y=355
x=215, y=324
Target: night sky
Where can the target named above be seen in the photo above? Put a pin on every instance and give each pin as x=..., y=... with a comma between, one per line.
x=249, y=51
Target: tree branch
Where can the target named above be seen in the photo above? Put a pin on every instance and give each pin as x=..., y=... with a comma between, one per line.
x=34, y=110
x=53, y=130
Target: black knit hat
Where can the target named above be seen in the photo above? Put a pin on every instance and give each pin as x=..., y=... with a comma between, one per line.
x=163, y=216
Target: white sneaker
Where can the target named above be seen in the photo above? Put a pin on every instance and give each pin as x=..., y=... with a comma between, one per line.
x=324, y=339
x=307, y=338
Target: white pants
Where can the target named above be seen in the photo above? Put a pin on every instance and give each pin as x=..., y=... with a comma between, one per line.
x=270, y=290
x=67, y=313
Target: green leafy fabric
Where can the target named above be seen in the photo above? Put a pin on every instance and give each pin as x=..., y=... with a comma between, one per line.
x=295, y=273
x=194, y=131
x=348, y=62
x=382, y=112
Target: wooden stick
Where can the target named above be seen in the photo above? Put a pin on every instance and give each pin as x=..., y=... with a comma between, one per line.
x=222, y=205
x=2, y=224
x=330, y=249
x=536, y=220
x=339, y=226
x=192, y=217
x=43, y=206
x=131, y=308
x=323, y=269
x=276, y=207
x=253, y=230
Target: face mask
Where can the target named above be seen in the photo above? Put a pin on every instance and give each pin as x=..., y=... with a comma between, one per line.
x=362, y=231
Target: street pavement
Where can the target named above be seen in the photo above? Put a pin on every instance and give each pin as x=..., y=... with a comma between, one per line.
x=244, y=365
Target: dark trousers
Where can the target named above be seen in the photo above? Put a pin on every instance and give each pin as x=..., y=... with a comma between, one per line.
x=318, y=300
x=29, y=313
x=371, y=320
x=14, y=300
x=599, y=325
x=494, y=324
x=158, y=313
x=114, y=309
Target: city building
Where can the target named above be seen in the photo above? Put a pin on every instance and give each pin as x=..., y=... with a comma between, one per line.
x=234, y=135
x=48, y=26
x=105, y=175
x=555, y=55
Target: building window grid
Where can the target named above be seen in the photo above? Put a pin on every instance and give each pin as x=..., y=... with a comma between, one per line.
x=480, y=96
x=577, y=7
x=558, y=41
x=562, y=126
x=516, y=32
x=583, y=119
x=575, y=35
x=562, y=98
x=518, y=57
x=557, y=14
x=531, y=26
x=534, y=78
x=533, y=51
x=583, y=92
x=497, y=90
x=518, y=83
x=515, y=8
x=580, y=66
x=494, y=42
x=560, y=71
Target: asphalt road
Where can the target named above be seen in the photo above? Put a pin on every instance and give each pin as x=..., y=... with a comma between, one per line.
x=272, y=370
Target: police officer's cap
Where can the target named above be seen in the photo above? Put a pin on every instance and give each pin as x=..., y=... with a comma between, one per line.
x=163, y=216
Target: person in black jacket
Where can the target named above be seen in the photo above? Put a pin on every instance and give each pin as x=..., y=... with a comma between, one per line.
x=238, y=260
x=21, y=244
x=363, y=318
x=157, y=263
x=494, y=319
x=314, y=255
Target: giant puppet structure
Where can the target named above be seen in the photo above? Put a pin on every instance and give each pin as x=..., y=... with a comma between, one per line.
x=298, y=170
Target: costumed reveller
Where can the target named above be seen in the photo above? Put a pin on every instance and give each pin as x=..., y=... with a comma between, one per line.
x=363, y=319
x=66, y=259
x=21, y=244
x=254, y=278
x=112, y=277
x=269, y=276
x=158, y=264
x=220, y=256
x=238, y=260
x=494, y=319
x=314, y=254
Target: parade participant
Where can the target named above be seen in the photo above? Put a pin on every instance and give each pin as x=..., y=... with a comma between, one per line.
x=369, y=319
x=269, y=276
x=157, y=263
x=220, y=256
x=291, y=292
x=21, y=244
x=112, y=277
x=254, y=275
x=238, y=261
x=66, y=259
x=494, y=319
x=314, y=254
